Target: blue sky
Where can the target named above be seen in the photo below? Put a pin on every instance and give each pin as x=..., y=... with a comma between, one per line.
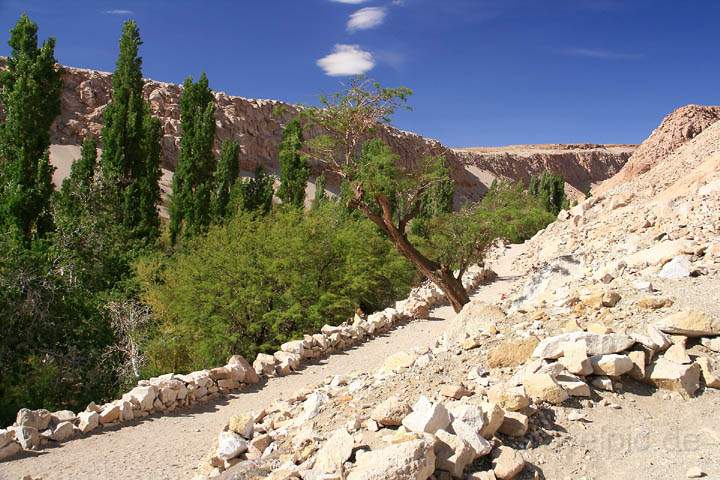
x=484, y=72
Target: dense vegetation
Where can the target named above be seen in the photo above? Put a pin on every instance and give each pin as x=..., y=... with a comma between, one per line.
x=96, y=290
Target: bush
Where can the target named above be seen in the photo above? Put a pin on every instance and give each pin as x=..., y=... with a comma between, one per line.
x=258, y=281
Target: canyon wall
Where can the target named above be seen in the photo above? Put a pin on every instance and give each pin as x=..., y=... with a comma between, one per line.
x=256, y=125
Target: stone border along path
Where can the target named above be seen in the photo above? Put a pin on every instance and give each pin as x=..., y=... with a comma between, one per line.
x=170, y=446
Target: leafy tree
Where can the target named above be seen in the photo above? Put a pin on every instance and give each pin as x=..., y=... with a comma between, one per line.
x=254, y=194
x=210, y=301
x=130, y=162
x=225, y=177
x=193, y=180
x=320, y=195
x=30, y=94
x=294, y=170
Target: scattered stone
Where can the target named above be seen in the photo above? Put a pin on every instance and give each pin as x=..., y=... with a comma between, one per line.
x=660, y=340
x=684, y=379
x=27, y=437
x=453, y=454
x=515, y=424
x=603, y=383
x=455, y=391
x=470, y=422
x=610, y=299
x=410, y=460
x=63, y=431
x=678, y=267
x=398, y=362
x=335, y=452
x=694, y=472
x=552, y=348
x=575, y=358
x=511, y=353
x=88, y=421
x=612, y=365
x=391, y=412
x=427, y=417
x=543, y=387
x=691, y=323
x=677, y=353
x=509, y=398
x=711, y=343
x=710, y=371
x=110, y=414
x=242, y=425
x=230, y=445
x=639, y=361
x=654, y=303
x=507, y=463
x=574, y=386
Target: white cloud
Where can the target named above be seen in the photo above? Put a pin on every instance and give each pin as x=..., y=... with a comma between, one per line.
x=599, y=53
x=347, y=60
x=350, y=2
x=119, y=12
x=366, y=18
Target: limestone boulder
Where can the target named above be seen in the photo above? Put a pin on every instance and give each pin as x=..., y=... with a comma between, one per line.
x=611, y=365
x=691, y=323
x=575, y=358
x=264, y=364
x=88, y=421
x=390, y=412
x=543, y=387
x=110, y=414
x=427, y=417
x=242, y=424
x=398, y=362
x=334, y=452
x=552, y=348
x=515, y=424
x=62, y=432
x=507, y=463
x=510, y=398
x=9, y=450
x=468, y=423
x=230, y=445
x=411, y=460
x=684, y=379
x=143, y=397
x=710, y=369
x=452, y=453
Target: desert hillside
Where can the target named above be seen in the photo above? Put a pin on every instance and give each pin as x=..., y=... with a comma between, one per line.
x=256, y=126
x=574, y=357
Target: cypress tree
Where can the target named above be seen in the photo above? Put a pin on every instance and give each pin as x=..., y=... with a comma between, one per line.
x=256, y=193
x=192, y=183
x=225, y=177
x=294, y=170
x=130, y=162
x=30, y=94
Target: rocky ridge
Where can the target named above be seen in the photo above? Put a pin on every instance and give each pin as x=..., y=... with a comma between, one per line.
x=603, y=361
x=257, y=125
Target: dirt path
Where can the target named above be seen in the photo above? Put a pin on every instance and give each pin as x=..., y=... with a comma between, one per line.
x=169, y=447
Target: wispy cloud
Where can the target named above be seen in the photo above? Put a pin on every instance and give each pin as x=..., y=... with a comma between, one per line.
x=119, y=12
x=346, y=60
x=366, y=18
x=598, y=53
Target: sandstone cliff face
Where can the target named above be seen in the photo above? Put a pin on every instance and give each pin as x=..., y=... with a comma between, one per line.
x=254, y=124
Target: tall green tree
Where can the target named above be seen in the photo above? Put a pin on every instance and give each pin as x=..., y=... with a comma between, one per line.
x=193, y=180
x=226, y=175
x=254, y=194
x=550, y=189
x=130, y=162
x=30, y=94
x=294, y=169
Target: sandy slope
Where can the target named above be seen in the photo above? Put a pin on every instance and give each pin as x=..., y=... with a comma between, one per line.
x=169, y=447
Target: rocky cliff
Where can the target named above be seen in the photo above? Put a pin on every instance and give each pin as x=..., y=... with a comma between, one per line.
x=258, y=129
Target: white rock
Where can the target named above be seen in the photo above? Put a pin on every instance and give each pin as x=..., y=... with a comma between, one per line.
x=230, y=445
x=452, y=453
x=684, y=379
x=142, y=396
x=468, y=423
x=597, y=344
x=335, y=452
x=427, y=417
x=63, y=431
x=612, y=365
x=88, y=421
x=313, y=404
x=411, y=460
x=678, y=267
